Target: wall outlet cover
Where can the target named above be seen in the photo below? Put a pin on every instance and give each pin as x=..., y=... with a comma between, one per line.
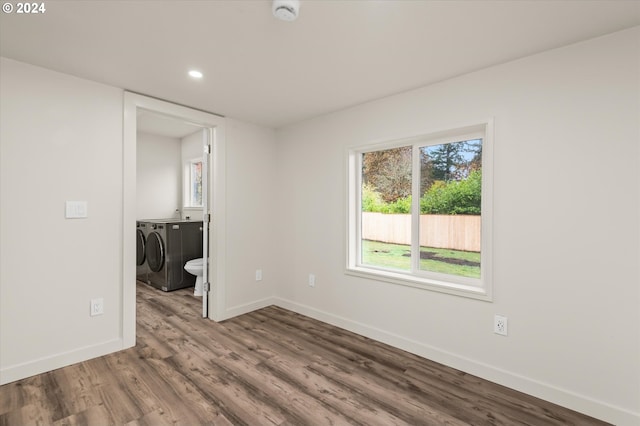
x=97, y=307
x=500, y=325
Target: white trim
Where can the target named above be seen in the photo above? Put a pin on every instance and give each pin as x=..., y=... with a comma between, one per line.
x=218, y=231
x=207, y=141
x=415, y=211
x=407, y=279
x=245, y=308
x=192, y=209
x=129, y=173
x=15, y=372
x=187, y=185
x=217, y=244
x=546, y=391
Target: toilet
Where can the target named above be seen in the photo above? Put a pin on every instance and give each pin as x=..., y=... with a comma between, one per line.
x=194, y=267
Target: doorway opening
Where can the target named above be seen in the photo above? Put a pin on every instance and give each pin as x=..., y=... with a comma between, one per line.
x=200, y=195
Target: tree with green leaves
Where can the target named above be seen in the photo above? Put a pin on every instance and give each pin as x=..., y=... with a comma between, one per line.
x=454, y=197
x=444, y=159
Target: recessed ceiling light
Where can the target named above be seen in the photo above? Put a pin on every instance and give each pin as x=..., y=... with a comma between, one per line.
x=195, y=74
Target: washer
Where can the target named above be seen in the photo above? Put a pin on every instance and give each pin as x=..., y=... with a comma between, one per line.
x=170, y=244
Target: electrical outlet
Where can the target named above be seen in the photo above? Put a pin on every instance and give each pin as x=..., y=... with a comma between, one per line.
x=312, y=280
x=258, y=274
x=500, y=325
x=97, y=307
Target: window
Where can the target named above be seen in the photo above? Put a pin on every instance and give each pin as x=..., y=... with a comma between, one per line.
x=419, y=211
x=194, y=183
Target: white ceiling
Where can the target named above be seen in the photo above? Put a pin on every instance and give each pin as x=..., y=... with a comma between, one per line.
x=274, y=73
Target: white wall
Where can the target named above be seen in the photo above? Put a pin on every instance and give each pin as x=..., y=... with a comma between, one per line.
x=61, y=139
x=159, y=176
x=566, y=160
x=252, y=217
x=191, y=146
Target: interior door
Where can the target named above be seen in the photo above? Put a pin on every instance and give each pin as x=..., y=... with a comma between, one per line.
x=207, y=141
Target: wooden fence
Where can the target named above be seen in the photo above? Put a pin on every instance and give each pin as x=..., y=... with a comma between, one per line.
x=459, y=232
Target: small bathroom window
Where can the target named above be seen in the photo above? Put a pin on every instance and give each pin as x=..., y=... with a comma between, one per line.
x=193, y=183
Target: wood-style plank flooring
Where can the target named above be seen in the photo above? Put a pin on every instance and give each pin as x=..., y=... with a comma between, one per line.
x=269, y=367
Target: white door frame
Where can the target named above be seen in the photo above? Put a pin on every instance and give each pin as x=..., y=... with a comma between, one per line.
x=217, y=197
x=207, y=145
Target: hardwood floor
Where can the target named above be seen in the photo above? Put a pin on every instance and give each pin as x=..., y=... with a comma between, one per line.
x=269, y=367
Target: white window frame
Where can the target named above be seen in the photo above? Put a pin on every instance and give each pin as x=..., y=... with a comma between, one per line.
x=461, y=286
x=188, y=184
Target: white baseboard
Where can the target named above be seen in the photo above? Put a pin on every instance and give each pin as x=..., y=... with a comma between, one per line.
x=42, y=365
x=248, y=307
x=583, y=404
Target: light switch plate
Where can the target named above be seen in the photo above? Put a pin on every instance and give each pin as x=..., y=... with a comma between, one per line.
x=75, y=209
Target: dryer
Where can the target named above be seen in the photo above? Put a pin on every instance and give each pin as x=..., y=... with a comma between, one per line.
x=170, y=244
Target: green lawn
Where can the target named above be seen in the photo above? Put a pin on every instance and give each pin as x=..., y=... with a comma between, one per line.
x=446, y=261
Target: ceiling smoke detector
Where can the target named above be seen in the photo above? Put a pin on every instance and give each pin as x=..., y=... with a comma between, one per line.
x=286, y=10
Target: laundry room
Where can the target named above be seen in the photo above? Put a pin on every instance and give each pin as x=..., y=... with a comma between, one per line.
x=169, y=202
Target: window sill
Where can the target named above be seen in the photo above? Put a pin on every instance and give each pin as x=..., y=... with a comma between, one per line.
x=462, y=290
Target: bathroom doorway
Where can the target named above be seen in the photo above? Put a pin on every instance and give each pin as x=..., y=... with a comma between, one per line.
x=151, y=115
